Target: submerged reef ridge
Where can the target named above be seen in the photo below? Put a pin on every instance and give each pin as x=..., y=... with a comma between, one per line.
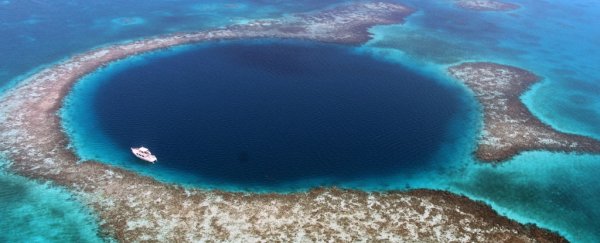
x=137, y=208
x=509, y=127
x=486, y=5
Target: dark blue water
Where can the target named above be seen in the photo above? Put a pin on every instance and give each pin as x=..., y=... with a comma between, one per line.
x=41, y=32
x=277, y=112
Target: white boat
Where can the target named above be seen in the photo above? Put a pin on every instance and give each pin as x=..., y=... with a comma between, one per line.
x=144, y=154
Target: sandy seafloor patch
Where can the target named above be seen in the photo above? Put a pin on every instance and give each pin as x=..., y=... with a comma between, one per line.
x=557, y=191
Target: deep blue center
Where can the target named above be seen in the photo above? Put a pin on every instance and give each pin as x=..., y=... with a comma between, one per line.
x=275, y=112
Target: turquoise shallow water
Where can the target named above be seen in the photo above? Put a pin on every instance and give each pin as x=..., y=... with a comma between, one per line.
x=34, y=212
x=557, y=40
x=557, y=191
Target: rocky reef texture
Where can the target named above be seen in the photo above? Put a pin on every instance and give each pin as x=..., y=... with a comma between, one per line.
x=137, y=208
x=509, y=127
x=486, y=5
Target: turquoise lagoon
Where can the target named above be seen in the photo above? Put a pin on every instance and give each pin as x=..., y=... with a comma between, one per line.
x=34, y=212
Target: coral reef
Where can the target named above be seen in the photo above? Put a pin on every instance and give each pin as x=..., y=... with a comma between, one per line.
x=509, y=127
x=486, y=5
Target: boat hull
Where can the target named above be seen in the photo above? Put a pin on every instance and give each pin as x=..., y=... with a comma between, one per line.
x=139, y=155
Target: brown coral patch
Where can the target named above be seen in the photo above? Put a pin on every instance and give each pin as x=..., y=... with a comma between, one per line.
x=509, y=127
